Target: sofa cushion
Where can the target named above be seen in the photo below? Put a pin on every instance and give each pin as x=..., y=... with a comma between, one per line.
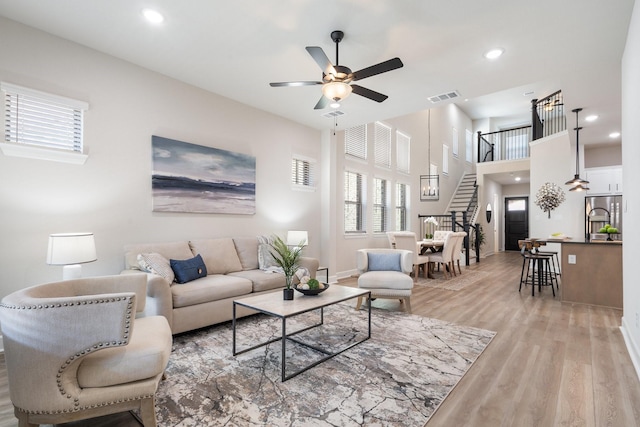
x=247, y=249
x=219, y=255
x=211, y=288
x=172, y=250
x=155, y=263
x=188, y=269
x=263, y=280
x=144, y=357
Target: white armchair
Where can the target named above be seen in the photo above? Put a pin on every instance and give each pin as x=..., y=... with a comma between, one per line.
x=385, y=272
x=74, y=350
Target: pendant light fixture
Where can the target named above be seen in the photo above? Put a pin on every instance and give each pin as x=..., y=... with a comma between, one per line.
x=577, y=183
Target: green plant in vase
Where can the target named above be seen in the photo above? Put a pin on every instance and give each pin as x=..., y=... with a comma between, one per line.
x=287, y=258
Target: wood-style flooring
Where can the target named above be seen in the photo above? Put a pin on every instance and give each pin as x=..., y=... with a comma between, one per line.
x=550, y=364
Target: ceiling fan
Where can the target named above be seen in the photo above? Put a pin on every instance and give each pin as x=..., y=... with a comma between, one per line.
x=337, y=79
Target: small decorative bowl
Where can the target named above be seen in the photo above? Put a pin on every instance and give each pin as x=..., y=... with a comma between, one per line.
x=313, y=291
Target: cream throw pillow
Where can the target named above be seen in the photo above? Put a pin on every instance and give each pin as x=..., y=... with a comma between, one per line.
x=157, y=264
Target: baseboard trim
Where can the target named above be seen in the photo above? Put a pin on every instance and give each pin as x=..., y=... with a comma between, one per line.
x=632, y=347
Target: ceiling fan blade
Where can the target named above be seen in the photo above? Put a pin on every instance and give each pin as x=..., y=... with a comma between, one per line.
x=322, y=103
x=368, y=93
x=382, y=67
x=280, y=84
x=321, y=59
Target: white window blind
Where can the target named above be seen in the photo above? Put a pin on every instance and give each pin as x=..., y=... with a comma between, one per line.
x=469, y=145
x=401, y=206
x=355, y=141
x=382, y=145
x=445, y=159
x=42, y=120
x=353, y=203
x=403, y=147
x=379, y=205
x=302, y=172
x=454, y=141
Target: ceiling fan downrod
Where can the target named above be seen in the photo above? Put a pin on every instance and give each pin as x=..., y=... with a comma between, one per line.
x=337, y=36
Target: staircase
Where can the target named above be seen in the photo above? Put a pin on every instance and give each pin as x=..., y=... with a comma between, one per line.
x=465, y=198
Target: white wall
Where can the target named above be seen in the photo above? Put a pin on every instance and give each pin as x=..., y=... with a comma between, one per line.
x=630, y=176
x=111, y=194
x=416, y=125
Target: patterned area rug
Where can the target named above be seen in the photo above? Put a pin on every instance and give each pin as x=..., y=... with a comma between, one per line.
x=461, y=281
x=398, y=377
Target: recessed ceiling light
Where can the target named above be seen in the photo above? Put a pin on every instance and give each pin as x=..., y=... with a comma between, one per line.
x=153, y=16
x=591, y=118
x=517, y=178
x=614, y=134
x=494, y=53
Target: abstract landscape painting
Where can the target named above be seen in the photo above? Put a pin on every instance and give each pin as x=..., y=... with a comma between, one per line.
x=197, y=179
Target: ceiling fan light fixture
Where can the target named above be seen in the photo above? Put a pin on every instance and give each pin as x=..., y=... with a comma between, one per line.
x=336, y=91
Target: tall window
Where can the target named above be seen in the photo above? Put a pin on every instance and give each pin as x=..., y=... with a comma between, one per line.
x=379, y=205
x=302, y=173
x=402, y=193
x=403, y=150
x=353, y=203
x=42, y=120
x=382, y=145
x=445, y=159
x=355, y=141
x=469, y=145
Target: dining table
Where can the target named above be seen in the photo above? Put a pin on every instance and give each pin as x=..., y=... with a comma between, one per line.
x=430, y=244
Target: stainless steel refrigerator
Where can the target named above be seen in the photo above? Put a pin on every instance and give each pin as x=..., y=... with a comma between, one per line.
x=600, y=211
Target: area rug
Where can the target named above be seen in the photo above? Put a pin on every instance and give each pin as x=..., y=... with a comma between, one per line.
x=398, y=377
x=455, y=283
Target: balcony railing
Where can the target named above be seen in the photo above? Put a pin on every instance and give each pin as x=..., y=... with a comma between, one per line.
x=547, y=118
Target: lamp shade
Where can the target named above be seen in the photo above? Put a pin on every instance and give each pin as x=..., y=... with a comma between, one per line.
x=336, y=90
x=294, y=238
x=71, y=248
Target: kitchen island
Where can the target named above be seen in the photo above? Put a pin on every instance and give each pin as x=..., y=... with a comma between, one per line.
x=592, y=273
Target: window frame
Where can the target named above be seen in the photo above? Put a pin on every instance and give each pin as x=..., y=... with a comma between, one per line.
x=380, y=201
x=402, y=207
x=47, y=109
x=358, y=203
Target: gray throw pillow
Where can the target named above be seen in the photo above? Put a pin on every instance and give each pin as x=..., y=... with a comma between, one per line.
x=383, y=262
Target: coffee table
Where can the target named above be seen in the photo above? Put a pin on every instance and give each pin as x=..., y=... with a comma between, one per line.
x=272, y=304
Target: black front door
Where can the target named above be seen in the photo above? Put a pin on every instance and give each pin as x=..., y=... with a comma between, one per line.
x=516, y=221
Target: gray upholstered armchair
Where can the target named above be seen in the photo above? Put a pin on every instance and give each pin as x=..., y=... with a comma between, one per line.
x=75, y=350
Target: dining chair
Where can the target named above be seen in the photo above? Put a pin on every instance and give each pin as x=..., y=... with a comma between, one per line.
x=445, y=257
x=457, y=249
x=408, y=241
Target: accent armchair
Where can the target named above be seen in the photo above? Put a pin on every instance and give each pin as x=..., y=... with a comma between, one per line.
x=385, y=272
x=75, y=350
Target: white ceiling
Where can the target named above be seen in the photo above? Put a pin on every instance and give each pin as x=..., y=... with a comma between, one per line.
x=235, y=48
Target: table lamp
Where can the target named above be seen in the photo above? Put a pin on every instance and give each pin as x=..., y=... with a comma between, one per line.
x=297, y=238
x=70, y=250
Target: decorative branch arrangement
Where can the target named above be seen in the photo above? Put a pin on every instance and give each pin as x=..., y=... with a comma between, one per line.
x=549, y=197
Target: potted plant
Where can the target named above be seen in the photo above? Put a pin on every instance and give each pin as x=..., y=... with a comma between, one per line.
x=287, y=258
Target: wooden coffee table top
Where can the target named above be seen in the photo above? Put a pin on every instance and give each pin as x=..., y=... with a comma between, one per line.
x=272, y=303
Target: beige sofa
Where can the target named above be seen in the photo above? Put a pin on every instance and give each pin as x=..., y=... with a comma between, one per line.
x=233, y=271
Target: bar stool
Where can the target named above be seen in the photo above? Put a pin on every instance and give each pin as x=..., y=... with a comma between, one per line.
x=533, y=264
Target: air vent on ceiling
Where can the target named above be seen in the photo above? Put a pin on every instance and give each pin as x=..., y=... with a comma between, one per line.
x=332, y=114
x=444, y=96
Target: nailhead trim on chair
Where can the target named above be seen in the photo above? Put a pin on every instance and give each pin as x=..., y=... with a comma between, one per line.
x=95, y=405
x=97, y=346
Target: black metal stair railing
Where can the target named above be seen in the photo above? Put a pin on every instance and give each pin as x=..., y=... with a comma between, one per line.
x=547, y=118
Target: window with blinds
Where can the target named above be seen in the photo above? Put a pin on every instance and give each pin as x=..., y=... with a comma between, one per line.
x=402, y=193
x=302, y=173
x=353, y=202
x=445, y=159
x=382, y=145
x=469, y=145
x=379, y=205
x=403, y=150
x=42, y=120
x=355, y=142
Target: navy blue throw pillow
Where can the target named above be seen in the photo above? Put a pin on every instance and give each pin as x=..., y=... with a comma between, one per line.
x=188, y=269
